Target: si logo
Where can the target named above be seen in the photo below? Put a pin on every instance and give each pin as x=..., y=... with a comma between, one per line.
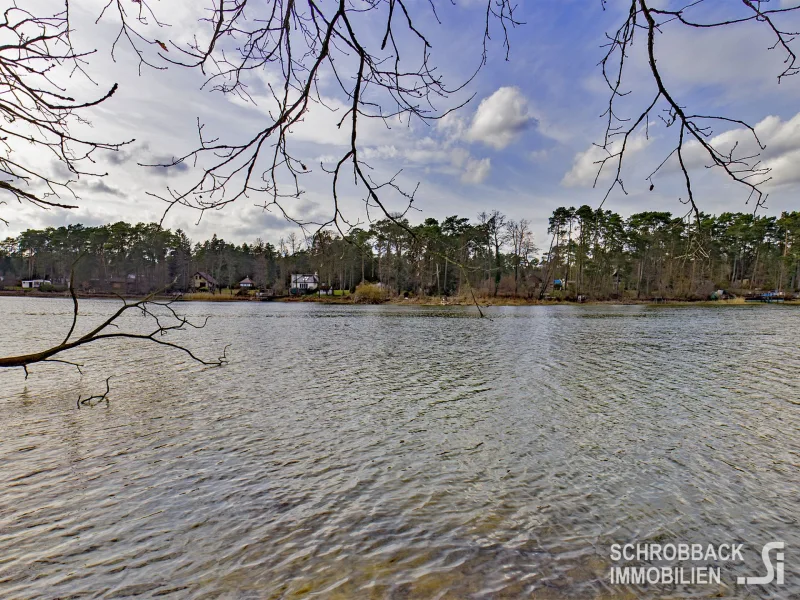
x=773, y=573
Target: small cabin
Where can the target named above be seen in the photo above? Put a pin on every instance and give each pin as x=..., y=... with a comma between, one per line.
x=303, y=284
x=204, y=280
x=122, y=284
x=247, y=283
x=34, y=283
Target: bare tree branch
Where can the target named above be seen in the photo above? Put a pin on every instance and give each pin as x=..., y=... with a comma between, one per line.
x=163, y=324
x=37, y=112
x=96, y=399
x=744, y=168
x=292, y=46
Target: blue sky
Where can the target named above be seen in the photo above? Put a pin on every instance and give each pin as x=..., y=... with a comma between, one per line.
x=523, y=145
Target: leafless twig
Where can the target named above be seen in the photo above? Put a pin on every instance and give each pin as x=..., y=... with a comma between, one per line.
x=163, y=324
x=96, y=399
x=38, y=113
x=663, y=105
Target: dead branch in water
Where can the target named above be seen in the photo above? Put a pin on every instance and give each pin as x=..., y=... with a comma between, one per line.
x=165, y=322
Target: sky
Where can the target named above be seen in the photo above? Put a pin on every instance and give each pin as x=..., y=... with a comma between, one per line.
x=522, y=145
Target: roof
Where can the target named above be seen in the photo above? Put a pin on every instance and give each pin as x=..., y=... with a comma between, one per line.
x=207, y=277
x=246, y=280
x=301, y=278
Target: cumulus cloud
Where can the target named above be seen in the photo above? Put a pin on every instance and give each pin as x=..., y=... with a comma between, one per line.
x=781, y=155
x=424, y=151
x=500, y=118
x=476, y=171
x=584, y=168
x=444, y=158
x=473, y=170
x=585, y=164
x=452, y=127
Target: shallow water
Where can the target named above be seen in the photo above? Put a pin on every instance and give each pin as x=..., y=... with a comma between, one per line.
x=399, y=452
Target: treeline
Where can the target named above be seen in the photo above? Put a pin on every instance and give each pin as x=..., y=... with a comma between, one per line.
x=656, y=254
x=588, y=252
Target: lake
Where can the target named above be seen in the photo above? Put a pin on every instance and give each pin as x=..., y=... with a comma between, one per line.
x=399, y=452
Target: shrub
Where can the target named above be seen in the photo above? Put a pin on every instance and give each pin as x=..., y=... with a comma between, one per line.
x=47, y=287
x=208, y=297
x=369, y=293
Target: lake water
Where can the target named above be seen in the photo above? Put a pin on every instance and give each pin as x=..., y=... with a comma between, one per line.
x=399, y=452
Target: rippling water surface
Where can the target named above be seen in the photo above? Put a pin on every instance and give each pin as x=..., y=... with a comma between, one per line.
x=399, y=452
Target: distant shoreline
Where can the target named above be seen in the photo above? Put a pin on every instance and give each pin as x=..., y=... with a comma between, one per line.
x=399, y=301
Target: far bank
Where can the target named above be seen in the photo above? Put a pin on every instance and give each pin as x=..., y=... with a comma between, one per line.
x=354, y=299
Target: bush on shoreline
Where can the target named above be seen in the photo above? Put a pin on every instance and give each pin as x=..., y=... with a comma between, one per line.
x=369, y=293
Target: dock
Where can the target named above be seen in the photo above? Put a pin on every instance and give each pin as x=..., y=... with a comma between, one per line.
x=768, y=297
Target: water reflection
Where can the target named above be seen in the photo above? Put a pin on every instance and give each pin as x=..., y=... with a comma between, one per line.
x=394, y=452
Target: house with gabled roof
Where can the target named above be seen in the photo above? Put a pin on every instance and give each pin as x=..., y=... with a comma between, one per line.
x=303, y=283
x=204, y=280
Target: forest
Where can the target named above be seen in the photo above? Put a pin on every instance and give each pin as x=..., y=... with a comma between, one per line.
x=589, y=252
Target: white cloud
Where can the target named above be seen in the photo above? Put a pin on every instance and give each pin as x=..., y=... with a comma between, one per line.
x=500, y=118
x=434, y=156
x=586, y=164
x=538, y=155
x=452, y=126
x=459, y=157
x=584, y=168
x=735, y=77
x=476, y=171
x=421, y=152
x=781, y=155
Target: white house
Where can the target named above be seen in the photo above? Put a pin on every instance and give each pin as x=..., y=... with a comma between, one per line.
x=304, y=283
x=34, y=283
